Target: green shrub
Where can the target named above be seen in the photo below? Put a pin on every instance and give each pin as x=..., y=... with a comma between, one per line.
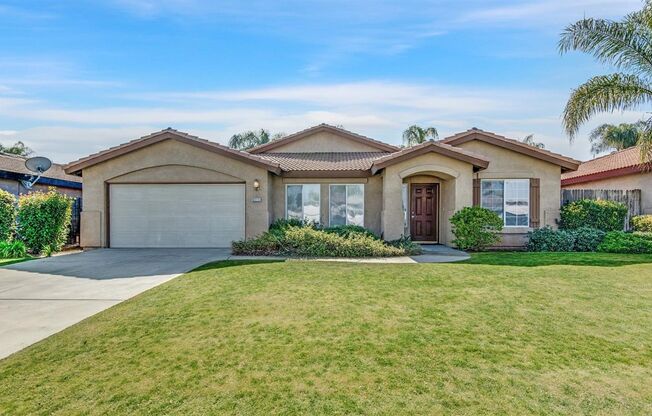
x=644, y=234
x=7, y=215
x=622, y=242
x=642, y=223
x=587, y=238
x=547, y=239
x=309, y=242
x=349, y=230
x=283, y=223
x=406, y=244
x=600, y=214
x=44, y=220
x=476, y=228
x=12, y=249
x=268, y=244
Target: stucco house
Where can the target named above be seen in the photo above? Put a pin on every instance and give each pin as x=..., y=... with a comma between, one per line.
x=621, y=170
x=13, y=172
x=171, y=189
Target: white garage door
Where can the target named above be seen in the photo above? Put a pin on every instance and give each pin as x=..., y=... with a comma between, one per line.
x=185, y=215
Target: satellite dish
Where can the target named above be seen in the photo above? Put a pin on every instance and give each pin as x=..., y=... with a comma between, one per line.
x=38, y=165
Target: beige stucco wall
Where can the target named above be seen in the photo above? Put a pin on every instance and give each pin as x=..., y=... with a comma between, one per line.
x=169, y=161
x=507, y=164
x=372, y=197
x=456, y=192
x=325, y=142
x=642, y=181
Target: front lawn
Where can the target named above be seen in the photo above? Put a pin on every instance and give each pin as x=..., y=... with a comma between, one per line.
x=527, y=334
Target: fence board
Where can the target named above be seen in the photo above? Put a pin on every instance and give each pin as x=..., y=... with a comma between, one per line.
x=631, y=198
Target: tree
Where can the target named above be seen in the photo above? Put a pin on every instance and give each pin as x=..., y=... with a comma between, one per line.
x=611, y=137
x=626, y=45
x=529, y=140
x=19, y=148
x=417, y=135
x=248, y=139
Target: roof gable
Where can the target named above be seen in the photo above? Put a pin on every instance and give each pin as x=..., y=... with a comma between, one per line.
x=307, y=133
x=169, y=134
x=566, y=163
x=430, y=147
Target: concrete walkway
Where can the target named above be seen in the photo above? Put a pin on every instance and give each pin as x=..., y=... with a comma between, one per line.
x=41, y=297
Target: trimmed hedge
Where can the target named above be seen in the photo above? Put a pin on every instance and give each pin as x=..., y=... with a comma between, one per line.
x=587, y=238
x=7, y=215
x=476, y=228
x=642, y=223
x=622, y=242
x=44, y=220
x=547, y=239
x=600, y=214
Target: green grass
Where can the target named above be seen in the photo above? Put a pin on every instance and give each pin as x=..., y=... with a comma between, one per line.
x=506, y=333
x=6, y=262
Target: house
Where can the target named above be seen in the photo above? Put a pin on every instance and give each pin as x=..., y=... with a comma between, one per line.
x=13, y=171
x=617, y=171
x=171, y=189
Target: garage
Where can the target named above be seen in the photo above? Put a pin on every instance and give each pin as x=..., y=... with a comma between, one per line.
x=176, y=215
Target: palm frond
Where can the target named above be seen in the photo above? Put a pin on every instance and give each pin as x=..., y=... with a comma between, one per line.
x=623, y=44
x=605, y=93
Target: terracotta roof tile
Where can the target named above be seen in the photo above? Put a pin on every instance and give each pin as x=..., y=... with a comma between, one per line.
x=616, y=163
x=16, y=164
x=339, y=161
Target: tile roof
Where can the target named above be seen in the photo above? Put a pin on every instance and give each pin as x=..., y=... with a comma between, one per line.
x=624, y=162
x=339, y=161
x=16, y=164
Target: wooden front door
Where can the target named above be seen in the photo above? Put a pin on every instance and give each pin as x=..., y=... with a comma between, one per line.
x=423, y=212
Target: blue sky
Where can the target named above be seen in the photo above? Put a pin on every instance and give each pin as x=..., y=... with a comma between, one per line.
x=77, y=77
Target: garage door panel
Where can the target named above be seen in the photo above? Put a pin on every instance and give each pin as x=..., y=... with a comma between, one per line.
x=166, y=215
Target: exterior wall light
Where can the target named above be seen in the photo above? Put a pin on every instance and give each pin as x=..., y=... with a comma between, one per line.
x=256, y=184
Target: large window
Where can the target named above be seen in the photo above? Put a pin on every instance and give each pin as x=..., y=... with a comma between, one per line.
x=302, y=202
x=347, y=205
x=509, y=198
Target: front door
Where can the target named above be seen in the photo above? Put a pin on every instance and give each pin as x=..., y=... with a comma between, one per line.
x=423, y=211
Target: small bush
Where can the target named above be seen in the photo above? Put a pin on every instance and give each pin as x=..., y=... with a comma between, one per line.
x=600, y=214
x=622, y=242
x=406, y=244
x=7, y=215
x=309, y=242
x=349, y=230
x=587, y=238
x=44, y=220
x=12, y=249
x=476, y=228
x=547, y=239
x=644, y=234
x=265, y=245
x=283, y=223
x=642, y=223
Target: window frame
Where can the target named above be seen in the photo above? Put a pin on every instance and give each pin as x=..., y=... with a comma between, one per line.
x=346, y=217
x=504, y=216
x=303, y=214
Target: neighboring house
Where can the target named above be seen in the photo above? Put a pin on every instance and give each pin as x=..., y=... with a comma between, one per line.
x=620, y=170
x=13, y=171
x=171, y=189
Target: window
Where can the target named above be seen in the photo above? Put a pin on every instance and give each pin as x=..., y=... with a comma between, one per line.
x=347, y=205
x=509, y=198
x=302, y=202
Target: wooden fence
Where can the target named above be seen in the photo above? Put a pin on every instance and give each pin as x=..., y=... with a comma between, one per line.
x=631, y=198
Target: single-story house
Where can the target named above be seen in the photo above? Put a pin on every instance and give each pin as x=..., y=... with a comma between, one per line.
x=171, y=189
x=621, y=170
x=13, y=171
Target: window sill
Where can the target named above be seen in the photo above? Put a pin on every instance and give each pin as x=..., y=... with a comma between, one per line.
x=516, y=230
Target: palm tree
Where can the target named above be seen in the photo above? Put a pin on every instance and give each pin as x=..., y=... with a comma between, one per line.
x=529, y=140
x=248, y=139
x=627, y=46
x=417, y=135
x=610, y=137
x=19, y=148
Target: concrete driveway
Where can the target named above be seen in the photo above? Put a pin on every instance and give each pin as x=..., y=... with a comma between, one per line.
x=41, y=297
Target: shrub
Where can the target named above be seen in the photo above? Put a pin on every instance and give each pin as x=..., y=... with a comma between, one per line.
x=12, y=249
x=642, y=223
x=476, y=228
x=587, y=238
x=7, y=215
x=406, y=244
x=349, y=230
x=268, y=244
x=600, y=214
x=309, y=242
x=547, y=239
x=283, y=223
x=644, y=234
x=622, y=242
x=44, y=220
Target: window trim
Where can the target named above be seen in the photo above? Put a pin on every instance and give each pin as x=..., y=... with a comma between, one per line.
x=330, y=223
x=529, y=199
x=303, y=215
